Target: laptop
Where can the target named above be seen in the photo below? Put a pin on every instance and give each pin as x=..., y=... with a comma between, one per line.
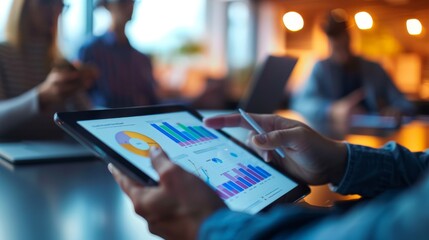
x=43, y=151
x=266, y=89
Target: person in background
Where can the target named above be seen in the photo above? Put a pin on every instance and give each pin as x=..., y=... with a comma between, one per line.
x=125, y=75
x=394, y=181
x=346, y=84
x=35, y=80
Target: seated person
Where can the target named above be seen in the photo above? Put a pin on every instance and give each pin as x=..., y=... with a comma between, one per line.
x=125, y=76
x=344, y=84
x=34, y=80
x=182, y=206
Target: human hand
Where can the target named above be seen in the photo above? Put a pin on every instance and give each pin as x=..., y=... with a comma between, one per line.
x=310, y=157
x=175, y=208
x=62, y=82
x=88, y=73
x=341, y=110
x=58, y=86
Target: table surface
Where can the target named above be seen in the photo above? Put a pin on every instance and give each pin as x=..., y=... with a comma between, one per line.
x=80, y=200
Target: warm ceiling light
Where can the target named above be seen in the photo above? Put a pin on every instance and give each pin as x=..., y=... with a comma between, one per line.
x=293, y=21
x=414, y=26
x=363, y=20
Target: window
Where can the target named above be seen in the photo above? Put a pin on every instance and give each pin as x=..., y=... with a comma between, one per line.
x=4, y=14
x=239, y=35
x=155, y=28
x=160, y=25
x=240, y=41
x=73, y=27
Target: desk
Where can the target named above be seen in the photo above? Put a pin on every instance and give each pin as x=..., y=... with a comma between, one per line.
x=65, y=201
x=80, y=200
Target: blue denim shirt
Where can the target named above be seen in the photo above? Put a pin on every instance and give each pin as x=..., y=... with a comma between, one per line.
x=393, y=176
x=125, y=76
x=327, y=84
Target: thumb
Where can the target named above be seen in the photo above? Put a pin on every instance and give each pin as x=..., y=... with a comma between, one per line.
x=274, y=139
x=159, y=159
x=279, y=138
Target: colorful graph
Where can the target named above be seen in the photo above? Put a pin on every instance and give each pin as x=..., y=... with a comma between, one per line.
x=185, y=135
x=135, y=142
x=244, y=178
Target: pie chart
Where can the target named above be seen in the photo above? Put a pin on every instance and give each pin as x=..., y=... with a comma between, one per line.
x=135, y=142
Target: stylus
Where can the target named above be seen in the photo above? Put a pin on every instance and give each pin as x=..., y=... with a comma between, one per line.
x=259, y=129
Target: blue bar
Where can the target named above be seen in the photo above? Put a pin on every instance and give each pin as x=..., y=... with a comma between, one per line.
x=165, y=133
x=176, y=131
x=189, y=136
x=201, y=132
x=244, y=181
x=263, y=171
x=249, y=175
x=257, y=171
x=231, y=189
x=196, y=132
x=207, y=132
x=238, y=188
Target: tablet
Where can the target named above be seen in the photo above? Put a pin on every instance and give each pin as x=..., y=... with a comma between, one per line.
x=123, y=136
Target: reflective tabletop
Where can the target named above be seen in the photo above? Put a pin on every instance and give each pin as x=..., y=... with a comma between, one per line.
x=78, y=200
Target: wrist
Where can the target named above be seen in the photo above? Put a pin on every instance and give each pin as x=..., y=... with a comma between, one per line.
x=339, y=165
x=43, y=99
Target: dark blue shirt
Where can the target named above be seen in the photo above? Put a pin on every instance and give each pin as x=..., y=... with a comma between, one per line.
x=330, y=82
x=125, y=75
x=395, y=177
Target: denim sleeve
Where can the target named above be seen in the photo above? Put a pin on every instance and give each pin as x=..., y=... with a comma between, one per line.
x=373, y=171
x=403, y=215
x=393, y=215
x=226, y=224
x=369, y=173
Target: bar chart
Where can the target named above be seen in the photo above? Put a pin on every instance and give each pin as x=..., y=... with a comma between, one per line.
x=243, y=178
x=185, y=135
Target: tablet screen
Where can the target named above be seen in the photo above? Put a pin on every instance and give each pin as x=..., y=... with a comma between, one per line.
x=243, y=181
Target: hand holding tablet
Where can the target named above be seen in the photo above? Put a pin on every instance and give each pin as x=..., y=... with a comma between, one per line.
x=235, y=173
x=185, y=197
x=176, y=205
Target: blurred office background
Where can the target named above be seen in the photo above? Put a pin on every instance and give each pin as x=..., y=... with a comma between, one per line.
x=197, y=46
x=193, y=41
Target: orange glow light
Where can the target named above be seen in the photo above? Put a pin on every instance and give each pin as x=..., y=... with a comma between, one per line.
x=414, y=26
x=293, y=21
x=363, y=20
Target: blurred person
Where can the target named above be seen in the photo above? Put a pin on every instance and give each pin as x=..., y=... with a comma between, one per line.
x=125, y=75
x=393, y=180
x=35, y=80
x=345, y=84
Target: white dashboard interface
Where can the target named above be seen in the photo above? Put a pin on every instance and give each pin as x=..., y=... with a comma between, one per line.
x=244, y=182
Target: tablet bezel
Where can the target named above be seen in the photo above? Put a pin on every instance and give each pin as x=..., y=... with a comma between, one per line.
x=68, y=121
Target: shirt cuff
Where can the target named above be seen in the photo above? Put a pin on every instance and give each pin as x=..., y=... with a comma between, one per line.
x=212, y=225
x=346, y=178
x=368, y=171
